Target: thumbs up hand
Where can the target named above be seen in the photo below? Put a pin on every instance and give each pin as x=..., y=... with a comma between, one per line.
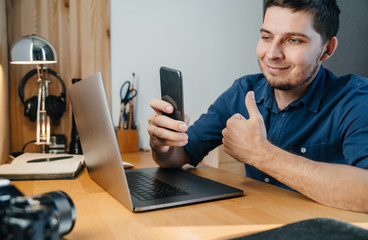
x=243, y=138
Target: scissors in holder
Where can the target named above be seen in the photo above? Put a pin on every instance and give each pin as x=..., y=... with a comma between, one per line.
x=127, y=94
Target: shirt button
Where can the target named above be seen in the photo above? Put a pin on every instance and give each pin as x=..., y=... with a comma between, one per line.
x=303, y=150
x=267, y=180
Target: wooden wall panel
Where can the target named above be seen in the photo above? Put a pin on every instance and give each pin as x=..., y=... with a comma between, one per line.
x=79, y=31
x=4, y=86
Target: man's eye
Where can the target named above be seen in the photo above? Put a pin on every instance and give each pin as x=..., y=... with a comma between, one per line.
x=266, y=37
x=294, y=40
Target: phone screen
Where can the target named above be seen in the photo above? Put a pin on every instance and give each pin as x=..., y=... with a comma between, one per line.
x=172, y=91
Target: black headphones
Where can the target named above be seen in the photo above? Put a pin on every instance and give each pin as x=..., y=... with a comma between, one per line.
x=55, y=105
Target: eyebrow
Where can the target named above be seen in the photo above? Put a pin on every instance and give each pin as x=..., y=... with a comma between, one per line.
x=286, y=34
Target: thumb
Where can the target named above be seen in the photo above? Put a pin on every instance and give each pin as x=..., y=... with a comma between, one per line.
x=251, y=105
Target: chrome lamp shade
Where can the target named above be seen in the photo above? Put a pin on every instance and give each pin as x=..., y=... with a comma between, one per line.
x=32, y=49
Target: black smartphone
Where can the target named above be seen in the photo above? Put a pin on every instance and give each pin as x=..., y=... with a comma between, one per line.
x=172, y=91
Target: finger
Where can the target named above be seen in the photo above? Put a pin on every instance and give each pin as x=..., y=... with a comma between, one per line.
x=238, y=116
x=251, y=105
x=159, y=144
x=167, y=136
x=234, y=118
x=167, y=122
x=160, y=106
x=224, y=134
x=163, y=149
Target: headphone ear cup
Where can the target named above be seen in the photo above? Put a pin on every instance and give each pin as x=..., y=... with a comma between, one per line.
x=55, y=106
x=30, y=108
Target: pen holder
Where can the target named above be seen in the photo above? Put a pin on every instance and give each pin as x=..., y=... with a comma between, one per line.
x=127, y=139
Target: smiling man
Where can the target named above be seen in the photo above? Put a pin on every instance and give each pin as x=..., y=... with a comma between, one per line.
x=295, y=125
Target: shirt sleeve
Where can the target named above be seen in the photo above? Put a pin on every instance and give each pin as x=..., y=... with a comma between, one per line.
x=206, y=133
x=353, y=126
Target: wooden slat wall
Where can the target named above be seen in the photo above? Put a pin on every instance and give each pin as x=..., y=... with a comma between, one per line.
x=4, y=86
x=79, y=30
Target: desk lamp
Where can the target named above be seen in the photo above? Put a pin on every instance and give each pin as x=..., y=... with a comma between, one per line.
x=32, y=49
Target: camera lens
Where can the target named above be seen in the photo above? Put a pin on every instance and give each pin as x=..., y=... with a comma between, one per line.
x=62, y=207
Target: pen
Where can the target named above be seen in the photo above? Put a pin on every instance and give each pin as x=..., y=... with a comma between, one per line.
x=48, y=159
x=131, y=105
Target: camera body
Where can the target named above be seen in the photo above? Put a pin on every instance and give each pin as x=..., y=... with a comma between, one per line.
x=47, y=216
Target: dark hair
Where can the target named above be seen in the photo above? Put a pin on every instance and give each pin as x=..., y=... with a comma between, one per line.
x=325, y=14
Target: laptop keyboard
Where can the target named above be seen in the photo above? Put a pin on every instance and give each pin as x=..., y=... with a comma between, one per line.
x=146, y=187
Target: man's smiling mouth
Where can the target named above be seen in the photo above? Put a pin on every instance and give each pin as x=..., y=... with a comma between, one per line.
x=276, y=69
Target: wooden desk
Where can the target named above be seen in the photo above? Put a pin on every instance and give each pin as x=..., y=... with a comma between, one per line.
x=100, y=216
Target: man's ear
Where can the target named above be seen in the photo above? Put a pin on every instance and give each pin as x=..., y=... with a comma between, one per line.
x=329, y=49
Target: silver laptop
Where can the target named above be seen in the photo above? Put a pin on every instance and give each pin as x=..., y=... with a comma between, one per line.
x=165, y=187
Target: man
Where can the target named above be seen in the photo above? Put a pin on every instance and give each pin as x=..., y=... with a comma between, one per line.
x=299, y=127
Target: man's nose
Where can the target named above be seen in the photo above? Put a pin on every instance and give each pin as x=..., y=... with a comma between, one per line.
x=275, y=51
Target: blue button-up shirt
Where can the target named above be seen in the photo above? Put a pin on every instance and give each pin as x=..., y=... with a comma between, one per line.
x=328, y=124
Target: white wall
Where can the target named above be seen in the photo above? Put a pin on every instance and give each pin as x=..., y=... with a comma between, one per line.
x=211, y=41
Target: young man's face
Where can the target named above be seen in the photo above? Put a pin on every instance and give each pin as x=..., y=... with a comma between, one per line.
x=289, y=50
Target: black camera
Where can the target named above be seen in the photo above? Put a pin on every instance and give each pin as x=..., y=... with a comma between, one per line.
x=47, y=216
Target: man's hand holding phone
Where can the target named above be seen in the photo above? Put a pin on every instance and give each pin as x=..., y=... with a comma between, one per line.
x=164, y=131
x=168, y=125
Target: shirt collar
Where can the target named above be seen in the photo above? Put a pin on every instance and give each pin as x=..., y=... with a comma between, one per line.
x=264, y=93
x=313, y=96
x=311, y=99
